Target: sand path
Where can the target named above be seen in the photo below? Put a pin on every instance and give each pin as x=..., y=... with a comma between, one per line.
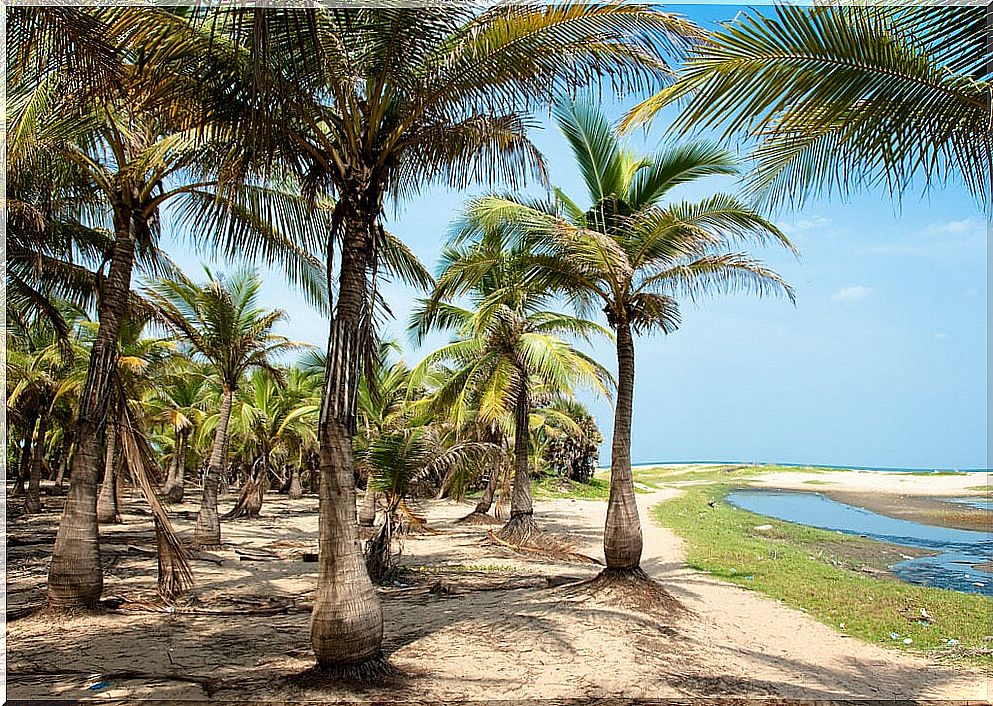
x=484, y=641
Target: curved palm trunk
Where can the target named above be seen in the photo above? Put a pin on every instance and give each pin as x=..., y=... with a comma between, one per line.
x=521, y=524
x=208, y=529
x=622, y=533
x=107, y=510
x=346, y=626
x=75, y=577
x=32, y=502
x=486, y=502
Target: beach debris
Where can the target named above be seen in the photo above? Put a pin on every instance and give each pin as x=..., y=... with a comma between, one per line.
x=894, y=636
x=763, y=528
x=99, y=686
x=904, y=556
x=978, y=584
x=952, y=642
x=926, y=617
x=841, y=625
x=907, y=641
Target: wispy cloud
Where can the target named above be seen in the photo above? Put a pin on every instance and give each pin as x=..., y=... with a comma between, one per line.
x=944, y=237
x=854, y=293
x=941, y=336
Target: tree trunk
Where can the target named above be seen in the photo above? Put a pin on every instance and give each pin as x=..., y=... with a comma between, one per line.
x=75, y=577
x=521, y=525
x=622, y=533
x=107, y=510
x=208, y=529
x=296, y=490
x=32, y=502
x=24, y=464
x=63, y=465
x=174, y=490
x=485, y=502
x=367, y=513
x=346, y=626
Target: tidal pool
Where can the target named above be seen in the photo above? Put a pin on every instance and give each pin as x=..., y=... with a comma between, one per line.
x=953, y=567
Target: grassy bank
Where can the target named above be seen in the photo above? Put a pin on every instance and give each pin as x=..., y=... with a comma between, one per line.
x=816, y=571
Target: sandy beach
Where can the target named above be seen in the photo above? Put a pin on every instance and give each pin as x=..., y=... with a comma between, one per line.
x=473, y=621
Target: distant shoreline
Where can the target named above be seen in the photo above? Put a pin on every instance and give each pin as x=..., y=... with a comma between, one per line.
x=806, y=465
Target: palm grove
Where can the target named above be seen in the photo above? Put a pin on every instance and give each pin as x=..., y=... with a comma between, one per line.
x=280, y=138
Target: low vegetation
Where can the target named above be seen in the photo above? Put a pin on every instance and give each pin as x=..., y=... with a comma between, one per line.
x=812, y=570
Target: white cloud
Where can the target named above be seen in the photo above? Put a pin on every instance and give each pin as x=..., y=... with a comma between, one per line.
x=965, y=226
x=941, y=336
x=851, y=294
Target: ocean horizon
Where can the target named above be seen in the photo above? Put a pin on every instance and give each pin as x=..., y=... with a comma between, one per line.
x=926, y=469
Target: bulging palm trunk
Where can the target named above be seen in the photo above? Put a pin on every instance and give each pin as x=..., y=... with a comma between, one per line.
x=622, y=541
x=367, y=513
x=346, y=626
x=296, y=489
x=107, y=510
x=208, y=528
x=481, y=516
x=32, y=501
x=521, y=525
x=174, y=489
x=75, y=577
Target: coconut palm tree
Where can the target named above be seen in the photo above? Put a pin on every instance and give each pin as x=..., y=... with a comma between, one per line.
x=39, y=360
x=509, y=349
x=222, y=323
x=177, y=403
x=396, y=99
x=273, y=420
x=843, y=96
x=140, y=141
x=632, y=253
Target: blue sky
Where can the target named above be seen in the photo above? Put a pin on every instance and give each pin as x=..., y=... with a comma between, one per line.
x=882, y=362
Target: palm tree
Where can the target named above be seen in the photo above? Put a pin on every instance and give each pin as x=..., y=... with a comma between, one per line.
x=396, y=99
x=632, y=253
x=508, y=351
x=177, y=403
x=37, y=365
x=222, y=323
x=140, y=140
x=843, y=96
x=274, y=420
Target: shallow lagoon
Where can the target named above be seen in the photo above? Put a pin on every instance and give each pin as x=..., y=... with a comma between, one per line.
x=953, y=567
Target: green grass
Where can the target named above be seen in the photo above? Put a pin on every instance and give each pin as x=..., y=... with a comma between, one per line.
x=784, y=563
x=984, y=488
x=816, y=482
x=551, y=487
x=934, y=473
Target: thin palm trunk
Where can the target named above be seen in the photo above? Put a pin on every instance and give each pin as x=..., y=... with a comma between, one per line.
x=32, y=501
x=622, y=534
x=24, y=464
x=346, y=626
x=174, y=490
x=107, y=510
x=208, y=529
x=75, y=577
x=64, y=458
x=521, y=525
